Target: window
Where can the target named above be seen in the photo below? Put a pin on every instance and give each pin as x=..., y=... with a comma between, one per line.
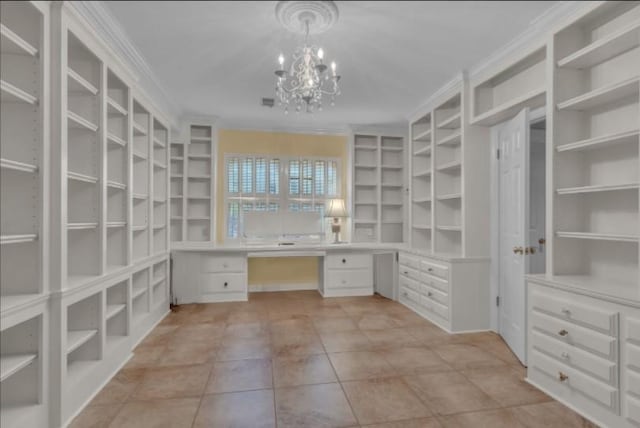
x=253, y=184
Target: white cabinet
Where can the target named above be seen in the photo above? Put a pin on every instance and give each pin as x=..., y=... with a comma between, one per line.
x=584, y=351
x=446, y=292
x=348, y=273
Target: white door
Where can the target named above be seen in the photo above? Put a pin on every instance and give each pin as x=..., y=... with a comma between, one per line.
x=513, y=142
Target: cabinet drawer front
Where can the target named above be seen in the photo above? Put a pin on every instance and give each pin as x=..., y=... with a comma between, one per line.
x=410, y=261
x=435, y=295
x=357, y=278
x=223, y=264
x=575, y=335
x=410, y=273
x=633, y=357
x=633, y=410
x=349, y=261
x=409, y=295
x=409, y=283
x=439, y=271
x=633, y=382
x=436, y=283
x=633, y=330
x=592, y=365
x=441, y=310
x=575, y=381
x=605, y=321
x=223, y=282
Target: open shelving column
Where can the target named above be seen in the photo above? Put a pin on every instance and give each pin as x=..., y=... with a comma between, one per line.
x=23, y=171
x=448, y=176
x=142, y=177
x=199, y=187
x=160, y=187
x=366, y=190
x=421, y=180
x=391, y=189
x=596, y=123
x=176, y=190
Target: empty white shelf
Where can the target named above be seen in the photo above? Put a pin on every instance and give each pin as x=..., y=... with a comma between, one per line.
x=365, y=166
x=196, y=197
x=11, y=364
x=114, y=139
x=14, y=44
x=177, y=158
x=610, y=46
x=450, y=166
x=115, y=185
x=76, y=176
x=199, y=156
x=532, y=99
x=199, y=177
x=365, y=147
x=450, y=196
x=365, y=185
x=392, y=167
x=598, y=236
x=176, y=177
x=76, y=121
x=602, y=141
x=139, y=228
x=159, y=201
x=195, y=218
x=452, y=122
x=115, y=109
x=157, y=281
x=597, y=188
x=11, y=93
x=421, y=200
x=139, y=130
x=82, y=226
x=425, y=151
x=357, y=221
x=77, y=83
x=449, y=228
x=17, y=166
x=138, y=292
x=77, y=338
x=366, y=203
x=422, y=174
x=113, y=310
x=392, y=185
x=421, y=226
x=423, y=136
x=11, y=301
x=139, y=155
x=201, y=139
x=159, y=226
x=391, y=222
x=451, y=140
x=158, y=142
x=159, y=165
x=17, y=239
x=601, y=96
x=392, y=149
x=392, y=204
x=116, y=224
x=140, y=196
x=177, y=196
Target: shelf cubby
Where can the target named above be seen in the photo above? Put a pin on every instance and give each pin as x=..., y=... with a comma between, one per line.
x=83, y=335
x=116, y=314
x=140, y=282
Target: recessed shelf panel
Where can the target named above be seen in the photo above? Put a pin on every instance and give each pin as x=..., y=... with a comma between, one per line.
x=81, y=177
x=82, y=226
x=598, y=236
x=451, y=140
x=424, y=137
x=113, y=310
x=532, y=99
x=77, y=83
x=597, y=188
x=11, y=364
x=14, y=44
x=139, y=130
x=114, y=139
x=624, y=137
x=449, y=166
x=449, y=197
x=78, y=122
x=17, y=239
x=425, y=151
x=452, y=122
x=18, y=166
x=115, y=108
x=602, y=96
x=77, y=338
x=11, y=93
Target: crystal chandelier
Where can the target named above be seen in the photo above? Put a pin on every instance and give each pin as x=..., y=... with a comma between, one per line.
x=307, y=79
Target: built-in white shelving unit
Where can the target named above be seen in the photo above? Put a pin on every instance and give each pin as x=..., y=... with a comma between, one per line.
x=596, y=121
x=449, y=177
x=160, y=202
x=378, y=187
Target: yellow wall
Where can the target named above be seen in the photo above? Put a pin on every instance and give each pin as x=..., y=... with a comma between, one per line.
x=274, y=270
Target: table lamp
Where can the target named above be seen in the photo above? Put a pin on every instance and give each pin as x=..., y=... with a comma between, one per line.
x=335, y=210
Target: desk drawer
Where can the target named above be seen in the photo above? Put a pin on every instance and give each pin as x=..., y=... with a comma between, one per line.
x=410, y=261
x=574, y=335
x=212, y=263
x=436, y=283
x=409, y=283
x=223, y=282
x=633, y=382
x=349, y=261
x=575, y=381
x=633, y=330
x=633, y=357
x=435, y=295
x=581, y=360
x=349, y=278
x=431, y=305
x=410, y=273
x=434, y=269
x=409, y=295
x=585, y=314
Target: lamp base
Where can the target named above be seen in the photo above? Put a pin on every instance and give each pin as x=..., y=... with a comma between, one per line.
x=335, y=228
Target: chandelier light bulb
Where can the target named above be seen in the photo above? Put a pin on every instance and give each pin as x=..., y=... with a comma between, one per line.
x=281, y=60
x=333, y=67
x=320, y=54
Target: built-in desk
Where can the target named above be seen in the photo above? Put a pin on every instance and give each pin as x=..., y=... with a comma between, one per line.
x=213, y=273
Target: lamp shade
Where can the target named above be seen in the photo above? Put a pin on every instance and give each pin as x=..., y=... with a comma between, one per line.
x=335, y=208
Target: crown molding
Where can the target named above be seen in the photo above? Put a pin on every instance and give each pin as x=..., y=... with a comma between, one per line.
x=241, y=125
x=108, y=29
x=444, y=89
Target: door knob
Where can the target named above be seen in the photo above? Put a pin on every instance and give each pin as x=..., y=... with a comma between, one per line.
x=518, y=250
x=529, y=250
x=563, y=332
x=562, y=377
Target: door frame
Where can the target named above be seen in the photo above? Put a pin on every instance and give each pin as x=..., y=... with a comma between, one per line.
x=535, y=116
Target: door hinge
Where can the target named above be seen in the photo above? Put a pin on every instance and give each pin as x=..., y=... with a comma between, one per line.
x=497, y=153
x=497, y=300
x=397, y=257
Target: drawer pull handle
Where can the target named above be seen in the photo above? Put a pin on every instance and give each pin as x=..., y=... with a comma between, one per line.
x=566, y=311
x=429, y=294
x=344, y=260
x=404, y=293
x=565, y=355
x=224, y=265
x=406, y=272
x=429, y=269
x=563, y=332
x=226, y=284
x=562, y=377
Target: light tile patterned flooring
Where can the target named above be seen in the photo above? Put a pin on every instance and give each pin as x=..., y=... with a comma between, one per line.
x=294, y=359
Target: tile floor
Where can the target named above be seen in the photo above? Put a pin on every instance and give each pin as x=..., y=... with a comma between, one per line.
x=293, y=359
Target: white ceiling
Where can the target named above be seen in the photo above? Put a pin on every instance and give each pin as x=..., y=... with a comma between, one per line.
x=216, y=58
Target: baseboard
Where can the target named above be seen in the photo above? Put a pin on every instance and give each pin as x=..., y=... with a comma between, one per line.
x=297, y=286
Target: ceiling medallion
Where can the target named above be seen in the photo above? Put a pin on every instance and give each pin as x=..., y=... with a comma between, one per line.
x=303, y=83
